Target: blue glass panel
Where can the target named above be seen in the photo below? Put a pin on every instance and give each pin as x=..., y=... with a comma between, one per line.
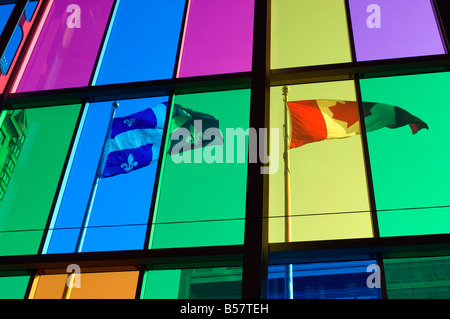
x=121, y=206
x=5, y=12
x=142, y=43
x=16, y=38
x=332, y=280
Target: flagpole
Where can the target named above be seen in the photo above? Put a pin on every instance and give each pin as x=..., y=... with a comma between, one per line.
x=98, y=173
x=287, y=194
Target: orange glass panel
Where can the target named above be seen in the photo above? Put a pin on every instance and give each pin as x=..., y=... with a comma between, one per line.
x=92, y=285
x=107, y=285
x=49, y=286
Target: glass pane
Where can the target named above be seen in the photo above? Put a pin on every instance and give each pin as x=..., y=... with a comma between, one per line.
x=13, y=287
x=305, y=33
x=10, y=56
x=420, y=278
x=138, y=48
x=331, y=280
x=67, y=46
x=5, y=12
x=202, y=283
x=203, y=190
x=90, y=285
x=395, y=29
x=34, y=147
x=410, y=171
x=121, y=205
x=328, y=187
x=218, y=37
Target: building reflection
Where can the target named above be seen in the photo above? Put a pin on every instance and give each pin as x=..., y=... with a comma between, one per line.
x=13, y=133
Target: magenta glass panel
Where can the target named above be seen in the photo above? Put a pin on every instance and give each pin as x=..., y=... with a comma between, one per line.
x=67, y=47
x=386, y=29
x=218, y=37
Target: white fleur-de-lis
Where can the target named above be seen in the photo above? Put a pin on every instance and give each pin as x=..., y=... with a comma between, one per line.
x=130, y=121
x=130, y=165
x=196, y=137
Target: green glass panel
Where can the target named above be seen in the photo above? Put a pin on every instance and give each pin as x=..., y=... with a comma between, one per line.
x=202, y=200
x=329, y=197
x=410, y=171
x=306, y=33
x=13, y=287
x=418, y=278
x=202, y=283
x=34, y=146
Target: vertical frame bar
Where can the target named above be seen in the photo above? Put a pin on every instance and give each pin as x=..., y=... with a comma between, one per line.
x=373, y=209
x=254, y=277
x=441, y=9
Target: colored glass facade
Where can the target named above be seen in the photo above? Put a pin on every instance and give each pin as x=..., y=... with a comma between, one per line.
x=231, y=213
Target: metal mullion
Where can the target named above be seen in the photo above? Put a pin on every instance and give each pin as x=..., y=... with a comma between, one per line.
x=255, y=262
x=437, y=8
x=365, y=146
x=167, y=258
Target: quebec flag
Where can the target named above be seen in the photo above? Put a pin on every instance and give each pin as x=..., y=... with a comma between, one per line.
x=135, y=141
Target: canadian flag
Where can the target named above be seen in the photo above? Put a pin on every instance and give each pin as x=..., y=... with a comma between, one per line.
x=317, y=120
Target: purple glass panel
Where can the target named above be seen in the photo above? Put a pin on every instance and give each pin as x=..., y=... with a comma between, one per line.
x=386, y=29
x=67, y=47
x=218, y=37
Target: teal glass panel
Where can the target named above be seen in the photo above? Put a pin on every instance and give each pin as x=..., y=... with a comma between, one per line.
x=13, y=287
x=202, y=283
x=34, y=146
x=142, y=42
x=418, y=278
x=202, y=192
x=410, y=171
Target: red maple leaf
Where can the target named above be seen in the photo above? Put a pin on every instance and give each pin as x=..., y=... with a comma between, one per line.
x=347, y=112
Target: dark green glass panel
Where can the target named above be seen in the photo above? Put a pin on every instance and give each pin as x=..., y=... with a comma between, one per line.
x=201, y=201
x=410, y=171
x=33, y=150
x=202, y=283
x=418, y=278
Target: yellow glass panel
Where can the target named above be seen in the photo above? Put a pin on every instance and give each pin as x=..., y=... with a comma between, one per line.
x=308, y=32
x=329, y=197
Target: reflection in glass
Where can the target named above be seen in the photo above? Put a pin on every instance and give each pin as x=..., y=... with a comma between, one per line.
x=202, y=283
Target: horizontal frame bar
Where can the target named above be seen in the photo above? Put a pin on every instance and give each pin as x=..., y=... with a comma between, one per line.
x=369, y=69
x=174, y=258
x=360, y=248
x=130, y=90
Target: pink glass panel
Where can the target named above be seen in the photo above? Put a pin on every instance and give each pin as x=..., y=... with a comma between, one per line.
x=65, y=52
x=218, y=37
